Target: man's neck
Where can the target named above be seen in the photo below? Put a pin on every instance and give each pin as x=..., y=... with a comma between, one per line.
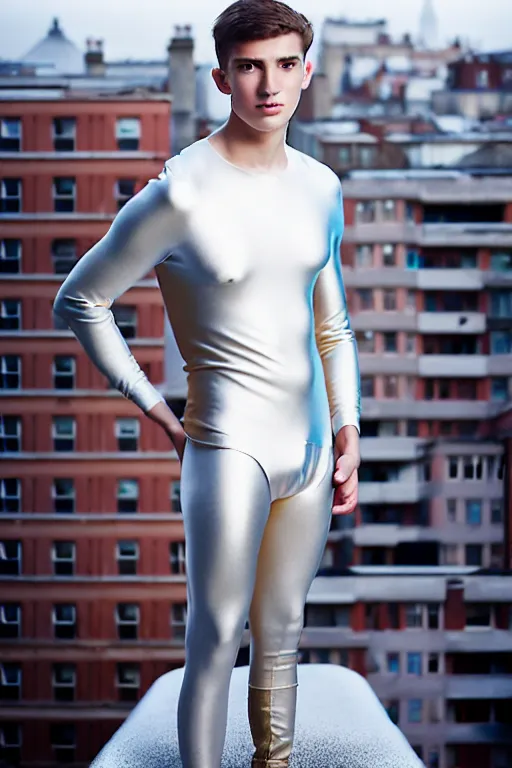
x=247, y=148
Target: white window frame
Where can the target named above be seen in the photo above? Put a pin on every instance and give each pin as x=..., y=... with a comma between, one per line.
x=56, y=558
x=388, y=205
x=63, y=196
x=59, y=497
x=385, y=251
x=19, y=554
x=364, y=256
x=129, y=321
x=120, y=622
x=6, y=622
x=178, y=620
x=6, y=315
x=175, y=496
x=4, y=496
x=59, y=685
x=123, y=427
x=134, y=669
x=4, y=436
x=3, y=678
x=123, y=124
x=130, y=493
x=4, y=133
x=121, y=197
x=60, y=374
x=63, y=622
x=18, y=196
x=10, y=745
x=7, y=258
x=64, y=136
x=121, y=558
x=55, y=435
x=177, y=558
x=64, y=250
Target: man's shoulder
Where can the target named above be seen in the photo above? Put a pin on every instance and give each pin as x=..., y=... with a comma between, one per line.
x=318, y=174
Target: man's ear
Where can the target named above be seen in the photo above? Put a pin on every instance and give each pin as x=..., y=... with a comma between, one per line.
x=308, y=74
x=221, y=81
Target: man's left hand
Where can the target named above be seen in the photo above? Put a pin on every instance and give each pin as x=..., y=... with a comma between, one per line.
x=346, y=484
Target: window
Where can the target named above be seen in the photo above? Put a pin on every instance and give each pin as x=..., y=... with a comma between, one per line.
x=412, y=428
x=64, y=621
x=124, y=189
x=414, y=663
x=64, y=558
x=126, y=320
x=10, y=134
x=410, y=299
x=175, y=492
x=64, y=134
x=10, y=366
x=177, y=557
x=128, y=681
x=364, y=256
x=10, y=196
x=474, y=554
x=366, y=156
x=10, y=256
x=478, y=615
x=127, y=432
x=390, y=386
x=501, y=342
x=63, y=494
x=413, y=615
x=433, y=663
x=63, y=256
x=367, y=386
x=344, y=155
x=10, y=557
x=365, y=212
x=473, y=512
x=10, y=434
x=389, y=296
x=499, y=388
x=501, y=261
x=390, y=341
x=365, y=341
x=451, y=510
x=412, y=259
x=432, y=616
x=127, y=496
x=393, y=663
x=64, y=433
x=497, y=511
x=453, y=467
x=501, y=303
x=389, y=210
x=128, y=133
x=392, y=709
x=410, y=343
x=414, y=710
x=178, y=621
x=389, y=256
x=10, y=742
x=127, y=621
x=64, y=682
x=10, y=681
x=10, y=315
x=365, y=298
x=10, y=621
x=371, y=616
x=10, y=495
x=394, y=615
x=496, y=558
x=64, y=194
x=127, y=554
x=63, y=739
x=64, y=370
x=482, y=78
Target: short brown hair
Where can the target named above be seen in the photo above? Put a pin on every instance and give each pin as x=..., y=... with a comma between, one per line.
x=248, y=20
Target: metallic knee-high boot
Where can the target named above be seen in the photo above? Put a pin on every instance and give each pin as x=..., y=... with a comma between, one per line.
x=272, y=716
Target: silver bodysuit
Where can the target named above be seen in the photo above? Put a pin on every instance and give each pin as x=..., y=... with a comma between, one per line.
x=249, y=268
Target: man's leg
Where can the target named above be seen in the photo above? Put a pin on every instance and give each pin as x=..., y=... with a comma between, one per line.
x=290, y=554
x=225, y=501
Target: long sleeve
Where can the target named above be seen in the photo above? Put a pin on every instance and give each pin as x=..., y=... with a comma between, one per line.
x=141, y=236
x=334, y=337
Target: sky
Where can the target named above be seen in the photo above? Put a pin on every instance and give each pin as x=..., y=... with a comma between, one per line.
x=135, y=29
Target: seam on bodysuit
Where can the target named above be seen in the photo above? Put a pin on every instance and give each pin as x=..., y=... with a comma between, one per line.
x=233, y=448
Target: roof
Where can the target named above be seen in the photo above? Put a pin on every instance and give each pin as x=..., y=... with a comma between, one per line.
x=56, y=53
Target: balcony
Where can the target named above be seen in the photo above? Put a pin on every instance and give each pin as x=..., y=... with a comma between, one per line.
x=393, y=492
x=478, y=687
x=450, y=279
x=391, y=448
x=466, y=234
x=470, y=366
x=390, y=535
x=451, y=322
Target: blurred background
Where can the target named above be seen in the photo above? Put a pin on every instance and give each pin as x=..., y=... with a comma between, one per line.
x=412, y=107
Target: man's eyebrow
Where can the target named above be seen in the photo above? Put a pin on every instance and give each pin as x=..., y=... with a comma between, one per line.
x=247, y=60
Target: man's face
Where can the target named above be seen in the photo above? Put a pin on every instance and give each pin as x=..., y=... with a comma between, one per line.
x=266, y=72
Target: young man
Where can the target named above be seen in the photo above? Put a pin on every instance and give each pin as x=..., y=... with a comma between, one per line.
x=244, y=233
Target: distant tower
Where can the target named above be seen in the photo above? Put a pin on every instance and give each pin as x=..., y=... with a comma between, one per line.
x=182, y=85
x=428, y=26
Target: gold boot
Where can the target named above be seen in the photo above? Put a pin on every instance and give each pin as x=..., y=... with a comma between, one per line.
x=272, y=723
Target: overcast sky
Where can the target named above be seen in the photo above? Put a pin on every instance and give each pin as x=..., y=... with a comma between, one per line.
x=142, y=29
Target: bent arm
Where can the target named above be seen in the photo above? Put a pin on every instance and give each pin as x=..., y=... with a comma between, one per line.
x=141, y=236
x=334, y=337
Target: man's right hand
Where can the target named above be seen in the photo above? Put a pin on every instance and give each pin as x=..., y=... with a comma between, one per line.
x=162, y=414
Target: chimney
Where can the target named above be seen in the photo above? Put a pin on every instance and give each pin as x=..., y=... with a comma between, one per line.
x=94, y=61
x=182, y=86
